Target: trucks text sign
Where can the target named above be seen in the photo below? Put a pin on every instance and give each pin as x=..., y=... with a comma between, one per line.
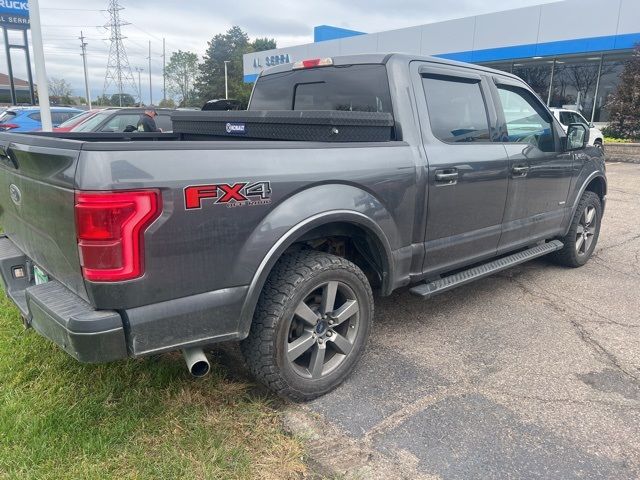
x=14, y=13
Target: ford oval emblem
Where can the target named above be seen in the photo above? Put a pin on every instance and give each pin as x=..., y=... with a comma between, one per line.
x=16, y=194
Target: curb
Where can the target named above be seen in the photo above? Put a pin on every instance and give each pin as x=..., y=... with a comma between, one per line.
x=622, y=159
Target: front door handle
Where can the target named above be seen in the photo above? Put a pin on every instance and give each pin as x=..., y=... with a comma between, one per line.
x=520, y=170
x=448, y=176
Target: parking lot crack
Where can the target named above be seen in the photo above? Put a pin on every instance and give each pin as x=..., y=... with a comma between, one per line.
x=565, y=309
x=397, y=418
x=607, y=264
x=617, y=245
x=572, y=401
x=600, y=349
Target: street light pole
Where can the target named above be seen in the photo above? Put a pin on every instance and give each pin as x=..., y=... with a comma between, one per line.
x=150, y=85
x=164, y=70
x=83, y=45
x=226, y=80
x=140, y=70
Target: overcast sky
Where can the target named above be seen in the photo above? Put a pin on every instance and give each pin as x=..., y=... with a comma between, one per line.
x=188, y=25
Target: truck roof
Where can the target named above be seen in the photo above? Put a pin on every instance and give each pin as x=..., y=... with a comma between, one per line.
x=383, y=58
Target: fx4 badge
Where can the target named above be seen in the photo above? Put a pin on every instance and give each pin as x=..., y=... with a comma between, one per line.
x=236, y=195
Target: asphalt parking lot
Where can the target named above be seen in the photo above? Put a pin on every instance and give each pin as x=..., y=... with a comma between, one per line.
x=533, y=373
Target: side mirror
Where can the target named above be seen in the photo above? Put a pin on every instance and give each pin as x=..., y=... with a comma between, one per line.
x=130, y=129
x=577, y=137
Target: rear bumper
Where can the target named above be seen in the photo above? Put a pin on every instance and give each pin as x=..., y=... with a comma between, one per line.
x=96, y=336
x=88, y=335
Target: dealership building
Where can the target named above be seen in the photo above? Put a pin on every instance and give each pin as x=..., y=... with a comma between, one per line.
x=571, y=52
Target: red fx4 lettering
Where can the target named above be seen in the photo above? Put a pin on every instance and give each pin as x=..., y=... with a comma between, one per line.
x=222, y=193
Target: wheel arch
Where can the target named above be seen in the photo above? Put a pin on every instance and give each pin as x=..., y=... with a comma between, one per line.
x=596, y=183
x=312, y=227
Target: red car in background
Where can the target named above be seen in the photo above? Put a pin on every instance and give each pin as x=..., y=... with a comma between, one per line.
x=75, y=121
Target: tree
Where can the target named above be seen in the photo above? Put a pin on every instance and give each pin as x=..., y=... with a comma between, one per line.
x=229, y=46
x=127, y=100
x=103, y=101
x=262, y=44
x=181, y=72
x=624, y=104
x=168, y=103
x=59, y=87
x=60, y=91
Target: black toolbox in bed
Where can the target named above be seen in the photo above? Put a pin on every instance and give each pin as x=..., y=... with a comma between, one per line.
x=310, y=126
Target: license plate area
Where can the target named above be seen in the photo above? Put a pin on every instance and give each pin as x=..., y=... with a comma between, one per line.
x=39, y=276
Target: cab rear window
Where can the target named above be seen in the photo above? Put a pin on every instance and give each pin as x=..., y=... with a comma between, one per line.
x=355, y=88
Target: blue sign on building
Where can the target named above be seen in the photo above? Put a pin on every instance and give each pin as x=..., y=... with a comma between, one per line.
x=14, y=14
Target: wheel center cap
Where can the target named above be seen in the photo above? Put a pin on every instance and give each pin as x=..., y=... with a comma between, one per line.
x=321, y=327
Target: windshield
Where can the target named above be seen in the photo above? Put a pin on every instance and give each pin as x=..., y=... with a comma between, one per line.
x=90, y=124
x=76, y=119
x=352, y=88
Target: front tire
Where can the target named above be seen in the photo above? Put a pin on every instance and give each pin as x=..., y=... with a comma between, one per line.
x=584, y=232
x=311, y=325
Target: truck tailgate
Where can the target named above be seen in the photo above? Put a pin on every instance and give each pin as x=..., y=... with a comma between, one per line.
x=37, y=203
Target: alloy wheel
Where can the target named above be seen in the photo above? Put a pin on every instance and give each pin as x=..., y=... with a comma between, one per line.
x=586, y=230
x=323, y=330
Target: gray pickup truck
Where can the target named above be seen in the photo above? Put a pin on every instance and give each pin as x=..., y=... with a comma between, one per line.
x=119, y=247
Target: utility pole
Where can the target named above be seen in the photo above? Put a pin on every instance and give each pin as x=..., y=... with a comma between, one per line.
x=164, y=70
x=41, y=71
x=150, y=85
x=139, y=70
x=226, y=81
x=83, y=46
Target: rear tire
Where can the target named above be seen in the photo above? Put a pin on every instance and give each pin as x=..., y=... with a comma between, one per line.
x=311, y=325
x=584, y=232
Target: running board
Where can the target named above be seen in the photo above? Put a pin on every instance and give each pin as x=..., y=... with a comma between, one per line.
x=428, y=290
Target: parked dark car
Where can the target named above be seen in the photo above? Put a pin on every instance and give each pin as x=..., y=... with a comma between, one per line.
x=76, y=120
x=115, y=120
x=222, y=105
x=275, y=225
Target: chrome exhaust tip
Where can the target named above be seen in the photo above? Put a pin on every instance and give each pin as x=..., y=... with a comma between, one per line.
x=197, y=362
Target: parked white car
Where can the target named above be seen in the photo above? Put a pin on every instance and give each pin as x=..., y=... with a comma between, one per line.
x=567, y=117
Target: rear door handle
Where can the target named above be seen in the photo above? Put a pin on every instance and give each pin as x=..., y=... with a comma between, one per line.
x=520, y=170
x=448, y=176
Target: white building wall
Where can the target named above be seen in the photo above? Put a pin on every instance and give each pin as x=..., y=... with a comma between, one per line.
x=564, y=20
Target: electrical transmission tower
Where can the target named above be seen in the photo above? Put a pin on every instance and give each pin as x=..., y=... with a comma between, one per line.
x=119, y=72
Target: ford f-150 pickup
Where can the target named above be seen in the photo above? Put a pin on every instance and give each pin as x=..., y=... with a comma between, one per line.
x=274, y=226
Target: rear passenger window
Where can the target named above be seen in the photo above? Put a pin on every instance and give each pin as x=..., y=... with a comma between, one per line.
x=457, y=109
x=565, y=119
x=120, y=122
x=60, y=117
x=527, y=121
x=164, y=123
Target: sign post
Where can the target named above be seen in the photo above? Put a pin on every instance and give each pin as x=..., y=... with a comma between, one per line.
x=41, y=71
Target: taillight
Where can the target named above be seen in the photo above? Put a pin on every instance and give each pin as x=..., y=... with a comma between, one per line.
x=110, y=228
x=8, y=126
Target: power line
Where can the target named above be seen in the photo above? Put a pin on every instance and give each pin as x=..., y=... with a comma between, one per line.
x=73, y=9
x=144, y=31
